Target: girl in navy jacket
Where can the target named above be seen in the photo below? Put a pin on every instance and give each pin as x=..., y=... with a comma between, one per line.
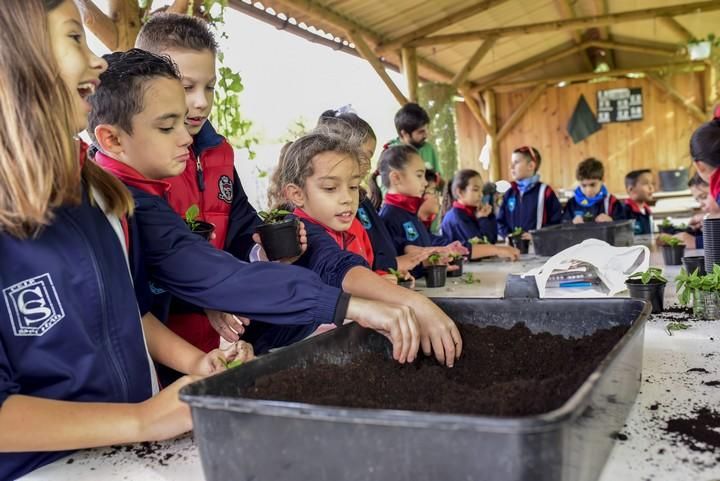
x=75, y=367
x=319, y=176
x=403, y=175
x=465, y=218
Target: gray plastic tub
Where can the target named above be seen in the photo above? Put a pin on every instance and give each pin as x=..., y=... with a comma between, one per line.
x=247, y=439
x=550, y=240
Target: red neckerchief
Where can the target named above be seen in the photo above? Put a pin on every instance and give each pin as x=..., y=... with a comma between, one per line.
x=715, y=184
x=636, y=208
x=468, y=209
x=405, y=202
x=130, y=176
x=345, y=239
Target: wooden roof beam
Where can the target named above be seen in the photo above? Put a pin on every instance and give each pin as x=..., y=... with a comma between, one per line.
x=601, y=8
x=697, y=66
x=473, y=62
x=366, y=52
x=476, y=111
x=566, y=11
x=669, y=51
x=436, y=25
x=571, y=24
x=520, y=111
x=691, y=108
x=678, y=29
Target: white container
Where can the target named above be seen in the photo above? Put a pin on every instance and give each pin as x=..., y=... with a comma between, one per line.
x=699, y=51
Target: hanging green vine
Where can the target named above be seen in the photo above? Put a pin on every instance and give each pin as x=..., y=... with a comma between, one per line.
x=437, y=100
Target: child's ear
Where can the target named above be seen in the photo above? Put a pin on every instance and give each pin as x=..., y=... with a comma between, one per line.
x=394, y=177
x=108, y=139
x=295, y=195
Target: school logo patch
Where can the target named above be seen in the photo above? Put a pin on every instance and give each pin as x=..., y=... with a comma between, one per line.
x=411, y=232
x=511, y=203
x=33, y=305
x=364, y=218
x=225, y=187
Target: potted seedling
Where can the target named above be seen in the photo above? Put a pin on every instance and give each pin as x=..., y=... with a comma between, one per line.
x=702, y=290
x=666, y=226
x=516, y=240
x=204, y=229
x=588, y=217
x=401, y=280
x=435, y=272
x=694, y=263
x=456, y=260
x=649, y=285
x=673, y=250
x=279, y=235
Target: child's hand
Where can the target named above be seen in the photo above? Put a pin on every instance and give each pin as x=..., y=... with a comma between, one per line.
x=438, y=333
x=507, y=252
x=696, y=221
x=484, y=211
x=578, y=219
x=603, y=218
x=164, y=416
x=229, y=326
x=687, y=239
x=302, y=239
x=526, y=236
x=407, y=262
x=453, y=248
x=216, y=360
x=390, y=278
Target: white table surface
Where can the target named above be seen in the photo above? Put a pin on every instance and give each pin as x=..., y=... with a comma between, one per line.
x=666, y=381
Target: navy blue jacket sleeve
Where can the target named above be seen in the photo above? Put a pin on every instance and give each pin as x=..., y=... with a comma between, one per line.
x=618, y=211
x=191, y=269
x=242, y=224
x=488, y=228
x=569, y=213
x=503, y=222
x=325, y=258
x=553, y=209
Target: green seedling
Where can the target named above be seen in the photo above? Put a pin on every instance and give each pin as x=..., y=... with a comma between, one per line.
x=675, y=326
x=670, y=241
x=469, y=278
x=398, y=275
x=517, y=232
x=476, y=240
x=191, y=216
x=274, y=216
x=686, y=285
x=666, y=223
x=434, y=259
x=652, y=274
x=231, y=364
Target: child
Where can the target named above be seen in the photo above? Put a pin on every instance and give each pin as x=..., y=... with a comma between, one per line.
x=529, y=203
x=352, y=127
x=319, y=175
x=700, y=191
x=466, y=217
x=403, y=175
x=705, y=152
x=640, y=188
x=411, y=124
x=74, y=353
x=430, y=208
x=592, y=200
x=138, y=123
x=210, y=180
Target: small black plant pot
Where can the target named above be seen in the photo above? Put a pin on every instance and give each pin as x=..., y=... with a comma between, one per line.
x=523, y=245
x=203, y=229
x=652, y=291
x=405, y=283
x=693, y=263
x=672, y=255
x=435, y=276
x=280, y=240
x=588, y=218
x=667, y=229
x=459, y=272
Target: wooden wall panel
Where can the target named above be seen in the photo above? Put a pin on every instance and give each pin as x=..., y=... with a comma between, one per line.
x=659, y=141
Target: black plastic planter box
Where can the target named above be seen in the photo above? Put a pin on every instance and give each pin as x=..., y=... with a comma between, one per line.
x=280, y=441
x=550, y=240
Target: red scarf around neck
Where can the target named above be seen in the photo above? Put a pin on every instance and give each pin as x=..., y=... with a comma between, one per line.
x=468, y=209
x=405, y=202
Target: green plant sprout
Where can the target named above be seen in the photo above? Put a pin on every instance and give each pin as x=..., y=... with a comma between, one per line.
x=469, y=278
x=675, y=326
x=686, y=285
x=398, y=275
x=652, y=274
x=476, y=240
x=670, y=241
x=434, y=259
x=273, y=216
x=517, y=232
x=191, y=216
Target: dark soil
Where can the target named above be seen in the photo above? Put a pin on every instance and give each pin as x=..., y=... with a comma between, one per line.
x=701, y=370
x=502, y=372
x=699, y=432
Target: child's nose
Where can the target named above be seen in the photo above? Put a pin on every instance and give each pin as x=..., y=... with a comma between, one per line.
x=199, y=101
x=185, y=139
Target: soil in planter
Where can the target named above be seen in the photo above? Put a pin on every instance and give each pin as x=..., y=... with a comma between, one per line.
x=502, y=372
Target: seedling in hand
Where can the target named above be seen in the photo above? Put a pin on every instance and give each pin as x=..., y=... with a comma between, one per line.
x=274, y=216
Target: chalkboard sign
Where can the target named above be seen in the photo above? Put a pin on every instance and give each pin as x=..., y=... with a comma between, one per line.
x=619, y=105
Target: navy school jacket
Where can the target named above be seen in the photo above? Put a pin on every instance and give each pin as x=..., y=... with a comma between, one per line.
x=380, y=238
x=610, y=206
x=643, y=220
x=70, y=327
x=188, y=267
x=521, y=210
x=457, y=225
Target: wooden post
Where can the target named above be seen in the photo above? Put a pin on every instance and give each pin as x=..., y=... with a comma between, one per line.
x=473, y=62
x=491, y=114
x=475, y=110
x=710, y=88
x=570, y=24
x=366, y=53
x=99, y=24
x=520, y=111
x=409, y=61
x=692, y=109
x=126, y=15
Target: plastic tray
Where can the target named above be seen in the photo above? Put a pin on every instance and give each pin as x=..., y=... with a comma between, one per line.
x=550, y=240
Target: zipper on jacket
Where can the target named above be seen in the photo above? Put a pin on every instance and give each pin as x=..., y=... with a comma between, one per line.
x=103, y=303
x=199, y=174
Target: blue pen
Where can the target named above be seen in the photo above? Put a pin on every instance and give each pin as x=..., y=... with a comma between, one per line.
x=576, y=284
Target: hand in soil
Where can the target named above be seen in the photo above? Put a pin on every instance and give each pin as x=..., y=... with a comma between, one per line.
x=229, y=326
x=397, y=323
x=302, y=239
x=164, y=416
x=438, y=333
x=219, y=360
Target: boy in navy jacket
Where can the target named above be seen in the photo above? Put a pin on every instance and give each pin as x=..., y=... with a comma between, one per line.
x=529, y=203
x=592, y=201
x=142, y=147
x=640, y=188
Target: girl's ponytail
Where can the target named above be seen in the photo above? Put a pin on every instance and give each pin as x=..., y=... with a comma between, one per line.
x=376, y=195
x=448, y=197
